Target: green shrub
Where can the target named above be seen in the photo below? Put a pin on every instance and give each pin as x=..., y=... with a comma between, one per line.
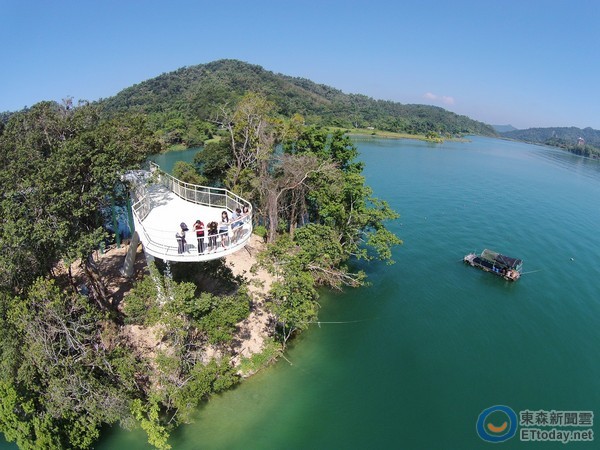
x=140, y=305
x=260, y=230
x=257, y=361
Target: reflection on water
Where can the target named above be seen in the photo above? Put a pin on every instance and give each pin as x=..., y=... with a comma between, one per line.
x=568, y=161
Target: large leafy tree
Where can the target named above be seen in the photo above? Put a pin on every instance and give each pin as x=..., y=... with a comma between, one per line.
x=61, y=379
x=342, y=200
x=68, y=162
x=308, y=189
x=340, y=220
x=214, y=160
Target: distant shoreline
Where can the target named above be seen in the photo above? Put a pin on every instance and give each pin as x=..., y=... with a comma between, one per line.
x=379, y=134
x=357, y=132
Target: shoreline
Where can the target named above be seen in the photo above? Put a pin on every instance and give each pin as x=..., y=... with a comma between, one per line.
x=380, y=134
x=359, y=132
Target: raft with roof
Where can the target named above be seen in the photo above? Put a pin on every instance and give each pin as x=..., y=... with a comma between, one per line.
x=490, y=261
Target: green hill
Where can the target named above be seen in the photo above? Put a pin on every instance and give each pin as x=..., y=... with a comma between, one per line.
x=503, y=128
x=181, y=103
x=585, y=142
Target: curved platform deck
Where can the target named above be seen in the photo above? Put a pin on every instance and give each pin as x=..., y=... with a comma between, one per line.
x=161, y=207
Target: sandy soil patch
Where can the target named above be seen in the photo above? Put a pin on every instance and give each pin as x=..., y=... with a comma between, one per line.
x=252, y=331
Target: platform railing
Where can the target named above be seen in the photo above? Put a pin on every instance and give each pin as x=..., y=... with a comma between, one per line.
x=203, y=195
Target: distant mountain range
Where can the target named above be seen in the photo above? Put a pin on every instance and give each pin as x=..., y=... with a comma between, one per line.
x=181, y=104
x=195, y=93
x=584, y=141
x=570, y=135
x=503, y=128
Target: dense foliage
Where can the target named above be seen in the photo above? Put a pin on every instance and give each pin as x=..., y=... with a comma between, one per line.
x=182, y=104
x=67, y=365
x=567, y=138
x=61, y=377
x=308, y=191
x=60, y=165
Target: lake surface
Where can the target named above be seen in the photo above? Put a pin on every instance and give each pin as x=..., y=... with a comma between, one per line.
x=431, y=342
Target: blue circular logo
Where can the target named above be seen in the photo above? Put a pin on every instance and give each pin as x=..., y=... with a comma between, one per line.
x=497, y=424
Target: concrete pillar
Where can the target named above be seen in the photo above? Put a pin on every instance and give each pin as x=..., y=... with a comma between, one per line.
x=128, y=265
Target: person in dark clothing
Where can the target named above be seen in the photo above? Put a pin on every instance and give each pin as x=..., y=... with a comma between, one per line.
x=199, y=228
x=212, y=235
x=236, y=225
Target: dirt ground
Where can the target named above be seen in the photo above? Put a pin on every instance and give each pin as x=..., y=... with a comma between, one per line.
x=251, y=332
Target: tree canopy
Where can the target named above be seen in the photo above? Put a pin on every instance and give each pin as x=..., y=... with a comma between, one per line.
x=307, y=189
x=61, y=164
x=62, y=375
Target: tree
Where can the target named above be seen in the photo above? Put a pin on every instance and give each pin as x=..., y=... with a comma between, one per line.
x=186, y=322
x=342, y=201
x=213, y=161
x=187, y=173
x=61, y=383
x=253, y=135
x=287, y=188
x=69, y=161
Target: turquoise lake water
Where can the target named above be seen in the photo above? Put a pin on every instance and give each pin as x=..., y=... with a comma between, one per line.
x=431, y=342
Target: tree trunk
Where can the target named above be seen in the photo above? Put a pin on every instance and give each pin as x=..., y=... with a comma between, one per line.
x=272, y=215
x=98, y=291
x=292, y=220
x=72, y=281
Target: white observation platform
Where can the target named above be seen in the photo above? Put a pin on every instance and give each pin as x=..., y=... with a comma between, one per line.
x=161, y=203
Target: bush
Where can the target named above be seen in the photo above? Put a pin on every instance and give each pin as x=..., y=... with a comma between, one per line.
x=140, y=306
x=223, y=314
x=270, y=352
x=260, y=231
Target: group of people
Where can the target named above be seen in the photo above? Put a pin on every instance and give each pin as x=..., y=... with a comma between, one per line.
x=213, y=229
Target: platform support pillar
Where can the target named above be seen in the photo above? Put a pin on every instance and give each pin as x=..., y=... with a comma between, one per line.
x=128, y=265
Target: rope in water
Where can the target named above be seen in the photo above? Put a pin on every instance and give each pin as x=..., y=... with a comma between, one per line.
x=532, y=271
x=319, y=322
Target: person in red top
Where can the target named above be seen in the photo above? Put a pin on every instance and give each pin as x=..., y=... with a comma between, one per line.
x=199, y=227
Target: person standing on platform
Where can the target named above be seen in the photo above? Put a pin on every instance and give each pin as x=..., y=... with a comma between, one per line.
x=199, y=227
x=181, y=238
x=236, y=225
x=212, y=235
x=224, y=228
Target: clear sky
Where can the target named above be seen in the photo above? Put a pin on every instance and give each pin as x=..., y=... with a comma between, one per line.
x=522, y=62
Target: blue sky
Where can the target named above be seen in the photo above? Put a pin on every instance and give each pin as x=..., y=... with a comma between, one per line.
x=526, y=62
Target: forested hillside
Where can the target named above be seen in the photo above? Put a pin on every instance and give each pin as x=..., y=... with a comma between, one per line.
x=567, y=138
x=181, y=104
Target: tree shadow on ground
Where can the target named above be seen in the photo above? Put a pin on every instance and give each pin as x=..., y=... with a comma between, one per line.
x=214, y=276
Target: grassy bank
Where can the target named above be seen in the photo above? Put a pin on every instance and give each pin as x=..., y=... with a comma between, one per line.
x=380, y=134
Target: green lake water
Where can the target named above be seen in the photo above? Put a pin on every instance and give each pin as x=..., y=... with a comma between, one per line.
x=432, y=342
